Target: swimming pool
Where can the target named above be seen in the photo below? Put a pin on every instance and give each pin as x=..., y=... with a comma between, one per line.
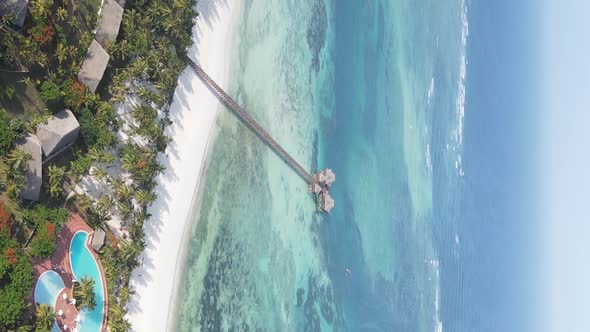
x=47, y=288
x=83, y=264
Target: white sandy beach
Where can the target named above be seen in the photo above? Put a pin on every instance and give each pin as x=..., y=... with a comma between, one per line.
x=193, y=112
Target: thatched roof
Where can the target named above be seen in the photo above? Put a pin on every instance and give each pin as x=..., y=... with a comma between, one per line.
x=94, y=65
x=109, y=22
x=17, y=8
x=60, y=131
x=326, y=176
x=326, y=202
x=30, y=143
x=97, y=239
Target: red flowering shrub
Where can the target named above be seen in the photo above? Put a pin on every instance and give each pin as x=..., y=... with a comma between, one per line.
x=43, y=34
x=51, y=229
x=75, y=95
x=141, y=164
x=11, y=256
x=5, y=219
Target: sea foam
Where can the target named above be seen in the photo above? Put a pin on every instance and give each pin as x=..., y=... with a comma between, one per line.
x=457, y=134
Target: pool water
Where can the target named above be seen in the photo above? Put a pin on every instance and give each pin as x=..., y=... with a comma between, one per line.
x=47, y=288
x=84, y=264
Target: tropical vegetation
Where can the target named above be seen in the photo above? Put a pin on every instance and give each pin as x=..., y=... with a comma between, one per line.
x=45, y=317
x=146, y=59
x=84, y=293
x=16, y=275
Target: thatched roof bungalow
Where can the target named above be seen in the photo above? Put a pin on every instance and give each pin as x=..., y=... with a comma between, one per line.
x=94, y=65
x=97, y=240
x=326, y=202
x=326, y=177
x=111, y=15
x=30, y=143
x=58, y=134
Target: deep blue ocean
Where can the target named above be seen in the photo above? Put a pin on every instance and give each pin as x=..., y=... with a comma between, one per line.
x=423, y=109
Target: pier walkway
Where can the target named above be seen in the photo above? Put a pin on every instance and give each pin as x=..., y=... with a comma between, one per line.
x=319, y=183
x=246, y=118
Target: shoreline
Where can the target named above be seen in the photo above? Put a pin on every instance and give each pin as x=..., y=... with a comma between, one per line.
x=194, y=113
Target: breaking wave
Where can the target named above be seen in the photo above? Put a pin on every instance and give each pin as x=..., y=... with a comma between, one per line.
x=457, y=135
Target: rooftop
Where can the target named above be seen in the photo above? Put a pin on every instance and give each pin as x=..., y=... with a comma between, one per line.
x=60, y=131
x=18, y=8
x=326, y=176
x=326, y=202
x=109, y=22
x=94, y=65
x=32, y=188
x=97, y=239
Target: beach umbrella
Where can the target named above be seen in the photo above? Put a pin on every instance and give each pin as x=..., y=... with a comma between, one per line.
x=60, y=312
x=64, y=296
x=65, y=327
x=73, y=301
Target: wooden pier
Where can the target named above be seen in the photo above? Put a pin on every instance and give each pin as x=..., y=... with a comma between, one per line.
x=317, y=187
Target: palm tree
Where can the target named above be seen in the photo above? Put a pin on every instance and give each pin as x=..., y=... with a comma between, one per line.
x=94, y=153
x=62, y=14
x=130, y=250
x=144, y=197
x=56, y=177
x=123, y=193
x=99, y=173
x=84, y=293
x=84, y=202
x=45, y=317
x=61, y=52
x=18, y=159
x=104, y=204
x=125, y=209
x=128, y=162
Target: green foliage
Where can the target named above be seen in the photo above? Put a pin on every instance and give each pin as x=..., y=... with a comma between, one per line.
x=88, y=128
x=142, y=163
x=40, y=214
x=98, y=131
x=6, y=92
x=43, y=244
x=7, y=59
x=52, y=95
x=56, y=177
x=16, y=283
x=11, y=129
x=39, y=118
x=14, y=175
x=81, y=165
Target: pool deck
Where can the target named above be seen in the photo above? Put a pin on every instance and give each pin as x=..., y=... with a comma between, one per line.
x=60, y=263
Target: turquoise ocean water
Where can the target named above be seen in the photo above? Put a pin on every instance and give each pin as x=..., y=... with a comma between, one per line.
x=375, y=90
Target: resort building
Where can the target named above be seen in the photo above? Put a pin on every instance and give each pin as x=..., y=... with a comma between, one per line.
x=94, y=65
x=326, y=202
x=315, y=188
x=30, y=143
x=58, y=134
x=97, y=239
x=109, y=22
x=17, y=9
x=325, y=177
